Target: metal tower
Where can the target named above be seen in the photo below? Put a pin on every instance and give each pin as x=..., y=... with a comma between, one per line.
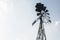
x=44, y=18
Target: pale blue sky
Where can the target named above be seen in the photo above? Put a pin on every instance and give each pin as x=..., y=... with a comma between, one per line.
x=16, y=17
x=25, y=14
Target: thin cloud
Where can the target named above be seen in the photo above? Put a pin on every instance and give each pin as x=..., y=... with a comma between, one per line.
x=57, y=23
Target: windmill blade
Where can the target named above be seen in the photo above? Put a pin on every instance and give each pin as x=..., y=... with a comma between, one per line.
x=49, y=21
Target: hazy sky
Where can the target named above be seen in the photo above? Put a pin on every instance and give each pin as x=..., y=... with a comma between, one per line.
x=16, y=17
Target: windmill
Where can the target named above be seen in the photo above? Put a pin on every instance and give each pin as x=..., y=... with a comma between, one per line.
x=44, y=18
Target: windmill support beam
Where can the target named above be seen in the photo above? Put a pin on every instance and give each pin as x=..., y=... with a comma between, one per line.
x=42, y=15
x=41, y=33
